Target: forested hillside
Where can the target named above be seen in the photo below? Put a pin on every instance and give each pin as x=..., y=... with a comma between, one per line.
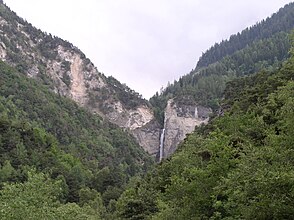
x=239, y=166
x=263, y=46
x=280, y=21
x=58, y=142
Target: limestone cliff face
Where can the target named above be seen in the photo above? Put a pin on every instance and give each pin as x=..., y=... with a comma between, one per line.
x=129, y=118
x=139, y=121
x=180, y=120
x=148, y=135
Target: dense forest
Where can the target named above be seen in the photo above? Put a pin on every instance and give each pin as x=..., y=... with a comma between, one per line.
x=47, y=139
x=239, y=166
x=278, y=22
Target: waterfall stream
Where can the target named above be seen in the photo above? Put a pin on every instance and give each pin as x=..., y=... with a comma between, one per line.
x=161, y=146
x=196, y=112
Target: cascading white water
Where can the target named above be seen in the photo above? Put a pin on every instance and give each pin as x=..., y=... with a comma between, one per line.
x=161, y=144
x=196, y=112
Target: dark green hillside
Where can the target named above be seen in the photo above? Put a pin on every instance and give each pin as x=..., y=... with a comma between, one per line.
x=208, y=83
x=239, y=166
x=42, y=130
x=283, y=20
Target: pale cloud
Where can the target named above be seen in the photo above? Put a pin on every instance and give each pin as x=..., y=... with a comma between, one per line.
x=144, y=43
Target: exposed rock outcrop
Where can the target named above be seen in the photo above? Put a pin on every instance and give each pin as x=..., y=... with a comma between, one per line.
x=140, y=122
x=148, y=135
x=129, y=118
x=180, y=120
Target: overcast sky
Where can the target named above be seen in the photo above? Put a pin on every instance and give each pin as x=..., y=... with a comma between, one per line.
x=144, y=43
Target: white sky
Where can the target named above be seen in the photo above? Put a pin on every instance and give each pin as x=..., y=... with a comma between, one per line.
x=144, y=43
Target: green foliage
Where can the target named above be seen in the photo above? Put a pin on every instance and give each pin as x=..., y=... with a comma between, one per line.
x=137, y=202
x=43, y=130
x=53, y=134
x=7, y=172
x=37, y=198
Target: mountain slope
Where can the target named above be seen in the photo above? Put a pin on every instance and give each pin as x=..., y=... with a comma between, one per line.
x=264, y=45
x=206, y=85
x=53, y=134
x=67, y=71
x=280, y=21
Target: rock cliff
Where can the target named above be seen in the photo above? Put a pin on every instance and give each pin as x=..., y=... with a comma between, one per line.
x=180, y=120
x=149, y=135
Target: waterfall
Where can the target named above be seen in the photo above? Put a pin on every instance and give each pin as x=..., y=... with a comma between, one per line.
x=161, y=146
x=196, y=112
